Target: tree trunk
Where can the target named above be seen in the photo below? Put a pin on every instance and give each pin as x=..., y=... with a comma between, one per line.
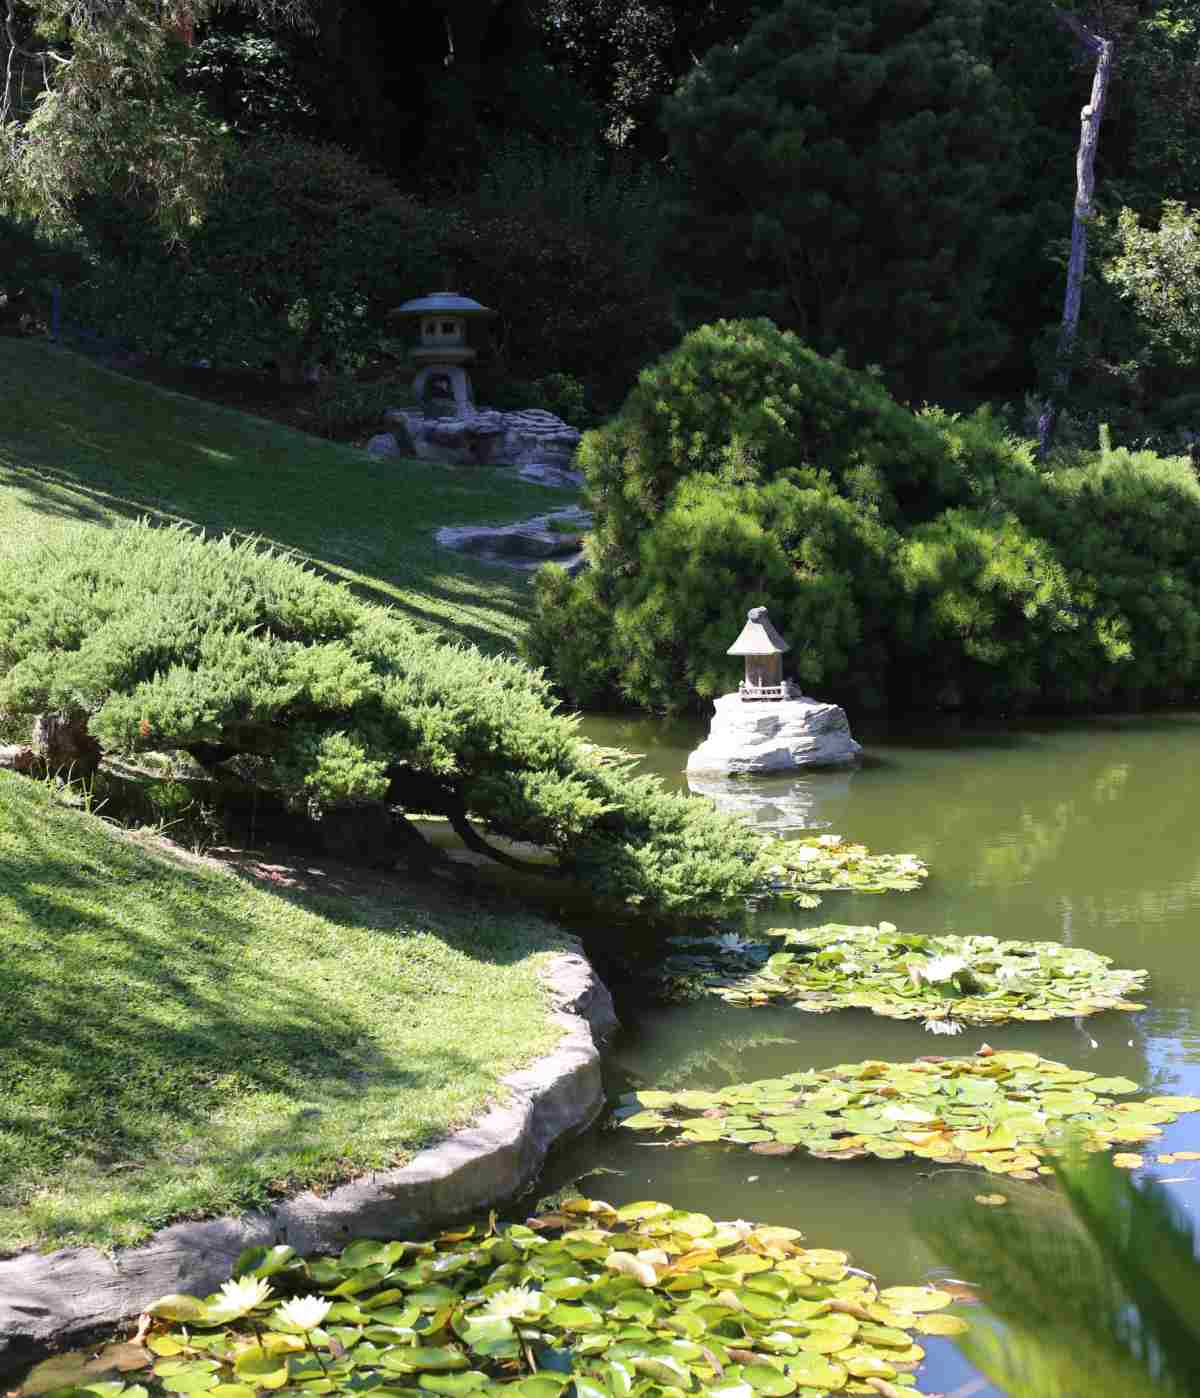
x=1085, y=179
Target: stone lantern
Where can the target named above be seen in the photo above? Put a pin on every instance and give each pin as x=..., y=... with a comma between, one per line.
x=763, y=648
x=768, y=725
x=443, y=350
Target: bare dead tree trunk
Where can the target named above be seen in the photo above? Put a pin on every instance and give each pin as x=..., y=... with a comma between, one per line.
x=1085, y=180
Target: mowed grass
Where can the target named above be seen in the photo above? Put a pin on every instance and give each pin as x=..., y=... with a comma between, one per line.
x=80, y=444
x=176, y=1041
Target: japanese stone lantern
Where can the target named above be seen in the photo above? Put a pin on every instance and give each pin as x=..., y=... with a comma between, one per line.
x=763, y=648
x=443, y=350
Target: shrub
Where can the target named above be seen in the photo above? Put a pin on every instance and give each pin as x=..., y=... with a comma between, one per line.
x=343, y=407
x=912, y=559
x=570, y=297
x=301, y=253
x=161, y=641
x=745, y=401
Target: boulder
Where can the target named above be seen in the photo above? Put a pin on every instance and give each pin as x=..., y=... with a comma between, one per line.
x=525, y=545
x=490, y=438
x=539, y=473
x=774, y=736
x=384, y=444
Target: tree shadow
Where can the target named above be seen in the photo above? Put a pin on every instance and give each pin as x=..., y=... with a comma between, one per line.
x=124, y=1046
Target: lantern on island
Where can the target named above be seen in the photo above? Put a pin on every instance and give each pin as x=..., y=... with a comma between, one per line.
x=443, y=352
x=767, y=724
x=763, y=648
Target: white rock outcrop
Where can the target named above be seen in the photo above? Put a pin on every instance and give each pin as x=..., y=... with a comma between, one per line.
x=774, y=736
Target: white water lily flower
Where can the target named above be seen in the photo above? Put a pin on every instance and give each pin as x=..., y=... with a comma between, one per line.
x=829, y=841
x=236, y=1298
x=730, y=941
x=942, y=968
x=943, y=1026
x=304, y=1312
x=513, y=1303
x=805, y=855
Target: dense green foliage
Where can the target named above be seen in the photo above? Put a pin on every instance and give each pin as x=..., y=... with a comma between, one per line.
x=176, y=1038
x=843, y=164
x=1126, y=1323
x=302, y=253
x=162, y=641
x=912, y=559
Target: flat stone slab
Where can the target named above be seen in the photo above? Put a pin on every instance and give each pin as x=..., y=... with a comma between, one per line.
x=525, y=545
x=48, y=1298
x=774, y=736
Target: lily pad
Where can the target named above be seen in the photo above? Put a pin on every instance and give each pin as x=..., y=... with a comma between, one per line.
x=1003, y=1112
x=948, y=981
x=646, y=1299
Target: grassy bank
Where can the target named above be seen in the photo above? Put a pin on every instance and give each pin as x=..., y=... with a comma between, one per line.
x=178, y=1040
x=80, y=444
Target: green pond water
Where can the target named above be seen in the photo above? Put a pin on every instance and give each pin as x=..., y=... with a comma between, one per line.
x=1081, y=832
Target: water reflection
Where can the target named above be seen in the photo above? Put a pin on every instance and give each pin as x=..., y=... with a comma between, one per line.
x=814, y=801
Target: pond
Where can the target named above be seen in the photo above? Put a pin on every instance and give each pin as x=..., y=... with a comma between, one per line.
x=1083, y=832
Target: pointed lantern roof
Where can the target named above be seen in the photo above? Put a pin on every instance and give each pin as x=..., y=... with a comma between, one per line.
x=758, y=636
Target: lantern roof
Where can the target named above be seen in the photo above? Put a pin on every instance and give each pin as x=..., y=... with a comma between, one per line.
x=758, y=636
x=443, y=303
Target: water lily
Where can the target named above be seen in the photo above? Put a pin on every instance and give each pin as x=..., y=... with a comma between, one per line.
x=236, y=1299
x=304, y=1312
x=943, y=1026
x=942, y=968
x=829, y=841
x=730, y=941
x=512, y=1303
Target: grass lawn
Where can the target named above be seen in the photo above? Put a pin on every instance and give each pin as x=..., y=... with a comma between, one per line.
x=79, y=443
x=177, y=1040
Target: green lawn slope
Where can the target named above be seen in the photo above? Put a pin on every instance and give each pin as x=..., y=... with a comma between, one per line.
x=81, y=444
x=176, y=1041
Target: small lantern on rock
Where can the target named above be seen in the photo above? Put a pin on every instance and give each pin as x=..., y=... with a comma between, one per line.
x=763, y=648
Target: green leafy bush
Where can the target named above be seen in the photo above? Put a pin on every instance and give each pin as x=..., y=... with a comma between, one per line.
x=161, y=641
x=343, y=406
x=914, y=560
x=301, y=253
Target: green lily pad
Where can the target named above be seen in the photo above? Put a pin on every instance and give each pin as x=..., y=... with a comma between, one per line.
x=697, y=1306
x=1004, y=1112
x=948, y=981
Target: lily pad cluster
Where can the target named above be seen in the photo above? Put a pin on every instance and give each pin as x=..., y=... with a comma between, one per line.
x=641, y=1300
x=830, y=864
x=1004, y=1112
x=949, y=981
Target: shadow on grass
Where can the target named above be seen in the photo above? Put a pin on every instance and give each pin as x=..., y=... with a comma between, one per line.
x=123, y=1038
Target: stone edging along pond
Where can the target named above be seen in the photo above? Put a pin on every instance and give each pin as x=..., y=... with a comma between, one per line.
x=47, y=1298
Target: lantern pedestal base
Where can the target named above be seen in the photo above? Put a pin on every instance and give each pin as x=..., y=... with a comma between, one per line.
x=780, y=736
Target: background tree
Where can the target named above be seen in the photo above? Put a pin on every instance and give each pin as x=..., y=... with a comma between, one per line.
x=843, y=164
